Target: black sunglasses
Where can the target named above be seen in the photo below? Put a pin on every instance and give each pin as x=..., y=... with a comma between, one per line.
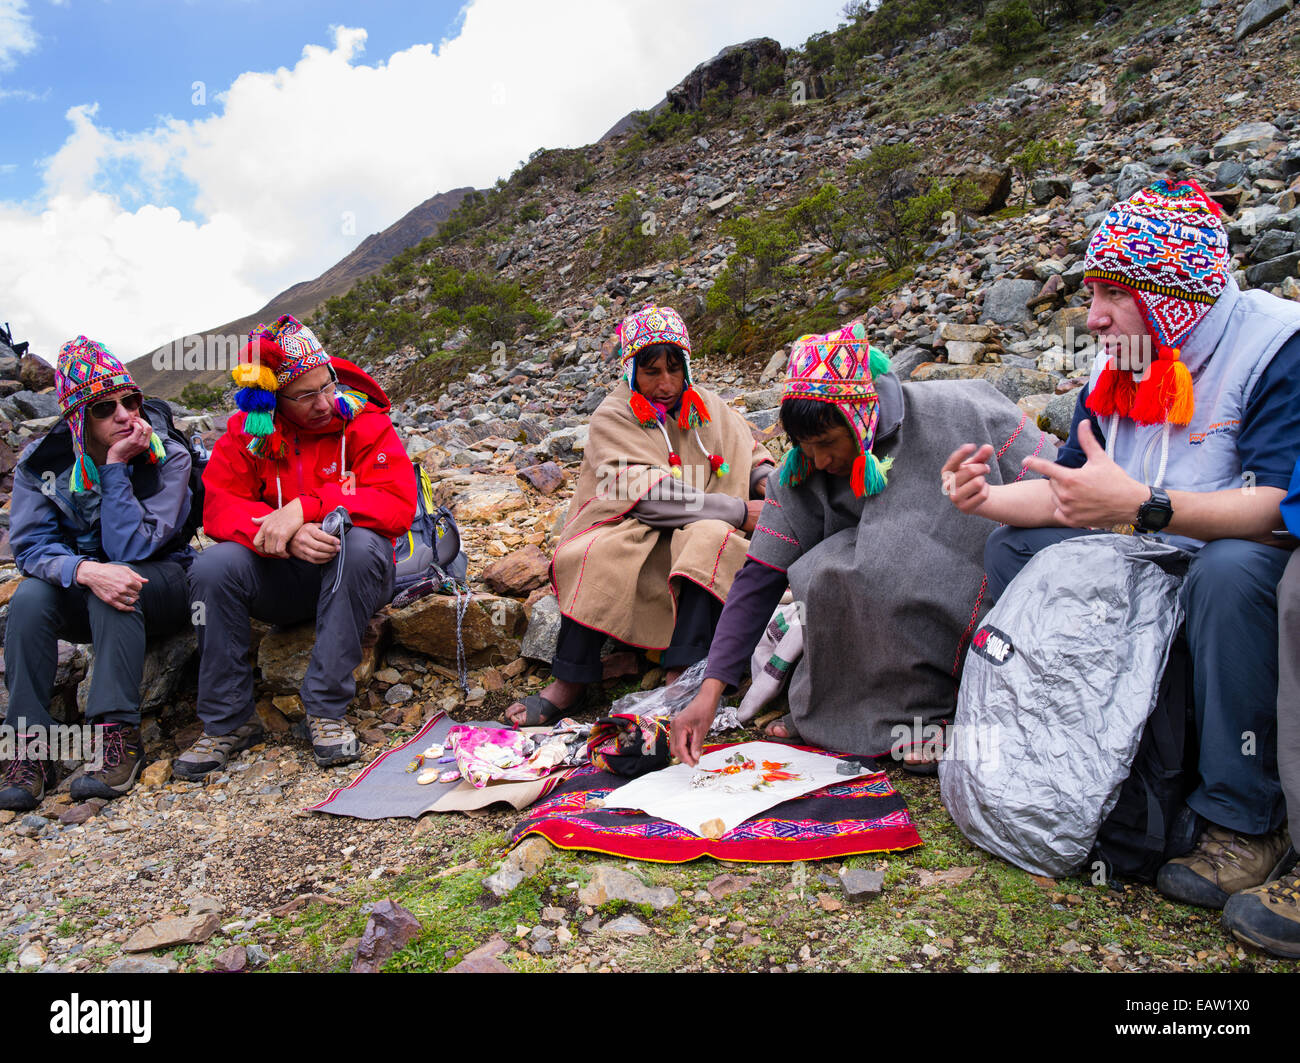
x=106, y=408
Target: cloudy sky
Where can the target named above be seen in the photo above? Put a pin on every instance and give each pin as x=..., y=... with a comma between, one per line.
x=166, y=166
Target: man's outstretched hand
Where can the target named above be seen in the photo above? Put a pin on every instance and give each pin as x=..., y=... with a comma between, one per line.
x=689, y=728
x=964, y=477
x=1099, y=494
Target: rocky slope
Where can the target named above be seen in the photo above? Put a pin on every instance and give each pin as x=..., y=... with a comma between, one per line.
x=1215, y=99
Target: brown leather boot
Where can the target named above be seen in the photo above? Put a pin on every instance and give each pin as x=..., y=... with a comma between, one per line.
x=123, y=757
x=23, y=781
x=1267, y=916
x=1224, y=862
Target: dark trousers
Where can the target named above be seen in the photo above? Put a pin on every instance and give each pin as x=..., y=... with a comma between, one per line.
x=1288, y=690
x=1231, y=605
x=577, y=652
x=41, y=613
x=233, y=584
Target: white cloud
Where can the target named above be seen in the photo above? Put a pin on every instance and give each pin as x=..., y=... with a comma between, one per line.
x=277, y=163
x=16, y=34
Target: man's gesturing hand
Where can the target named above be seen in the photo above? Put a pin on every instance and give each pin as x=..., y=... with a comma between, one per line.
x=963, y=476
x=1098, y=495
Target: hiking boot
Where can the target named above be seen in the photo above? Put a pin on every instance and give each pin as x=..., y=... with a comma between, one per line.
x=332, y=741
x=23, y=781
x=1268, y=916
x=123, y=756
x=1223, y=863
x=211, y=752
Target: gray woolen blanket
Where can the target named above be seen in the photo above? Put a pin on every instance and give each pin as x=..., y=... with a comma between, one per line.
x=888, y=583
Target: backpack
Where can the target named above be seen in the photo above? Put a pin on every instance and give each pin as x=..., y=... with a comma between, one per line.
x=1151, y=823
x=198, y=462
x=1059, y=684
x=429, y=556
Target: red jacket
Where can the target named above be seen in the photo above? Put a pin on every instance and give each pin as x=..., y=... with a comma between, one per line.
x=379, y=493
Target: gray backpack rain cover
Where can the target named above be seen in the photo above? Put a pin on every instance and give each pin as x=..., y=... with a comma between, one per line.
x=1058, y=684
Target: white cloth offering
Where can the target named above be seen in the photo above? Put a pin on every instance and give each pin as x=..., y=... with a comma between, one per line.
x=727, y=787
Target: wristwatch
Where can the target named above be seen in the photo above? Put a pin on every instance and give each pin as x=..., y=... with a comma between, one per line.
x=1155, y=513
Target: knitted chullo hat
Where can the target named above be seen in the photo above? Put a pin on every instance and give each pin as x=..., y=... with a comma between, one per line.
x=274, y=356
x=86, y=373
x=1167, y=247
x=662, y=324
x=839, y=368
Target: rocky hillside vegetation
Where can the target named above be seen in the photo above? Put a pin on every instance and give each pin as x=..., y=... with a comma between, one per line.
x=933, y=169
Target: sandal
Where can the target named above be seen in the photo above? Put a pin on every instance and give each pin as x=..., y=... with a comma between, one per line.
x=786, y=723
x=542, y=712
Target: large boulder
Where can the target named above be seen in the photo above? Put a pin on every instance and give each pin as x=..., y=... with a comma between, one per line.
x=992, y=182
x=1132, y=177
x=1045, y=189
x=1059, y=414
x=1274, y=271
x=518, y=572
x=543, y=632
x=1005, y=303
x=489, y=630
x=1015, y=383
x=164, y=668
x=284, y=653
x=480, y=498
x=734, y=67
x=69, y=670
x=30, y=406
x=1258, y=14
x=1251, y=135
x=35, y=373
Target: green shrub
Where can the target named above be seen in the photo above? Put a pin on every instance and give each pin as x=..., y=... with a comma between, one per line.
x=1010, y=29
x=897, y=204
x=200, y=396
x=827, y=215
x=629, y=240
x=763, y=244
x=1039, y=155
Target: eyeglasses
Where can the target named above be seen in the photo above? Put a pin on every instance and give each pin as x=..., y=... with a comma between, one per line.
x=101, y=411
x=312, y=396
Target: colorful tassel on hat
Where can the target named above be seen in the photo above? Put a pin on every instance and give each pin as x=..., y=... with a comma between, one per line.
x=795, y=468
x=869, y=475
x=646, y=412
x=693, y=412
x=675, y=465
x=1113, y=393
x=877, y=361
x=84, y=473
x=1166, y=393
x=719, y=467
x=348, y=403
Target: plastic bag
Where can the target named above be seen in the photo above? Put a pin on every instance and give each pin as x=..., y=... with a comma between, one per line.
x=666, y=702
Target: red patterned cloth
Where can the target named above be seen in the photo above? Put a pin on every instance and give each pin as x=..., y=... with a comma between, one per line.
x=862, y=815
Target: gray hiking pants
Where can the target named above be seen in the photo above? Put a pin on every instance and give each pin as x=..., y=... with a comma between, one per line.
x=233, y=584
x=40, y=612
